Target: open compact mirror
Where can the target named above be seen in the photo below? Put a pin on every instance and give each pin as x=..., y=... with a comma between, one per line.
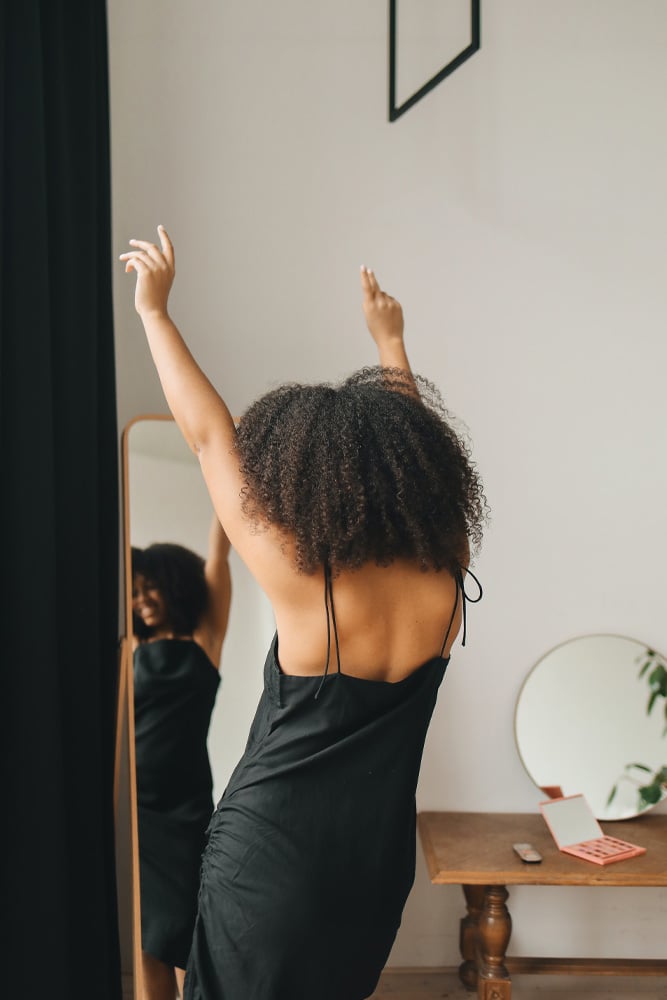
x=583, y=725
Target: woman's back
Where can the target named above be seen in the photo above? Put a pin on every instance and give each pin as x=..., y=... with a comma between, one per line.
x=389, y=620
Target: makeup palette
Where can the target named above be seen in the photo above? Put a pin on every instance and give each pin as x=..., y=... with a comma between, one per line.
x=576, y=831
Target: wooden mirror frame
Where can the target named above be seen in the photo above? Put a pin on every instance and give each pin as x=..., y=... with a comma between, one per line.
x=126, y=702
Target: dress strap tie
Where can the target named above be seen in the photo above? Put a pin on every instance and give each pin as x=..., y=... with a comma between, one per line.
x=331, y=619
x=461, y=593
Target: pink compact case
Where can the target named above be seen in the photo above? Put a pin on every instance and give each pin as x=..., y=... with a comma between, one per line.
x=576, y=831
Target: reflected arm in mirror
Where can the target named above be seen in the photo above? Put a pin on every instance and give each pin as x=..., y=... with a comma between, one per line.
x=213, y=627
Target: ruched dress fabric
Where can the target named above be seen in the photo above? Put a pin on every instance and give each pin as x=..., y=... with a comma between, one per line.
x=311, y=851
x=175, y=686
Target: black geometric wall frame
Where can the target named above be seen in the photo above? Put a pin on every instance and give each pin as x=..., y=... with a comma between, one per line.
x=475, y=42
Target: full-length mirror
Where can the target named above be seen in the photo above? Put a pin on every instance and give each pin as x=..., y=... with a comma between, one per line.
x=585, y=723
x=192, y=608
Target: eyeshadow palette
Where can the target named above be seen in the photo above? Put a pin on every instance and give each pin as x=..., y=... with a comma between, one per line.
x=576, y=831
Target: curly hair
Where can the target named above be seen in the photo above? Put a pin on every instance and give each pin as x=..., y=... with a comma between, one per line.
x=362, y=471
x=178, y=573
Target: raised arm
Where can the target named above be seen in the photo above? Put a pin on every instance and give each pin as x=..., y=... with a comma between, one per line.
x=384, y=318
x=199, y=411
x=213, y=627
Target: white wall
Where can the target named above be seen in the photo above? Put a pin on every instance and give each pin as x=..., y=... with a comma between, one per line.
x=519, y=214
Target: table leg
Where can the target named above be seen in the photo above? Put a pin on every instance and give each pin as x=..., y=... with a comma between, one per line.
x=494, y=930
x=474, y=895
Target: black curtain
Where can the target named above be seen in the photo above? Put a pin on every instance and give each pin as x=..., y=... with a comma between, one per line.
x=59, y=504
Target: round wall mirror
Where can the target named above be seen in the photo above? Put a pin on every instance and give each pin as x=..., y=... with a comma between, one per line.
x=583, y=724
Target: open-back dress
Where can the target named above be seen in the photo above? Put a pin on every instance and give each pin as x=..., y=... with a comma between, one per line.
x=311, y=850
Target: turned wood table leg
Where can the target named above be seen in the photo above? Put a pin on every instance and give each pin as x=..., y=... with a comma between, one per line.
x=474, y=895
x=494, y=930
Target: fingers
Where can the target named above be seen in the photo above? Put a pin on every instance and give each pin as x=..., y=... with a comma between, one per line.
x=373, y=294
x=153, y=252
x=167, y=245
x=369, y=283
x=150, y=253
x=135, y=264
x=154, y=271
x=138, y=257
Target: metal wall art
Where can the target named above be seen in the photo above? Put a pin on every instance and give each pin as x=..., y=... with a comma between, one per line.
x=396, y=112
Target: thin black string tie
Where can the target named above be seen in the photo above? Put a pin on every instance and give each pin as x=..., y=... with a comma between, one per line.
x=327, y=597
x=467, y=597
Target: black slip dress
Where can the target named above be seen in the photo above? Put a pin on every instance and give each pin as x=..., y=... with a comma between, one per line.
x=311, y=851
x=175, y=686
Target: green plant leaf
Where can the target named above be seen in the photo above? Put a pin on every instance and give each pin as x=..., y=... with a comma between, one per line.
x=612, y=795
x=650, y=794
x=655, y=676
x=642, y=767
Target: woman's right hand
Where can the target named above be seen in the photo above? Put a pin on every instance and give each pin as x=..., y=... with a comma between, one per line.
x=155, y=270
x=384, y=315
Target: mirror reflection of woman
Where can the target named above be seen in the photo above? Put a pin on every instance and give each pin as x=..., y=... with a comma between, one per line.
x=180, y=606
x=353, y=507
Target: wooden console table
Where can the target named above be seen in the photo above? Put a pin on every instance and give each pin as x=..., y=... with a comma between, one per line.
x=474, y=850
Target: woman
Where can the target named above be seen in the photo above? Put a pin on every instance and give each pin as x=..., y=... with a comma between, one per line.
x=180, y=610
x=353, y=507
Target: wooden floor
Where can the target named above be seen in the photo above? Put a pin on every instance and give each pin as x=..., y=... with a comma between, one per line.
x=413, y=984
x=428, y=984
